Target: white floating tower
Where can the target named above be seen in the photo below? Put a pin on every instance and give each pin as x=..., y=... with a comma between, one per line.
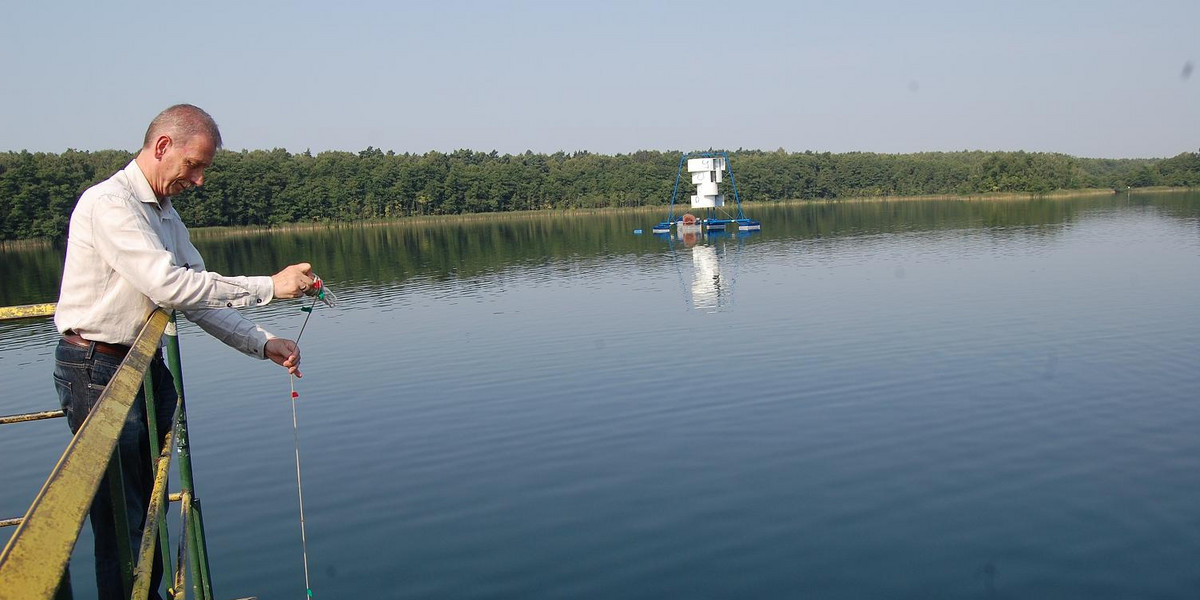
x=707, y=170
x=706, y=174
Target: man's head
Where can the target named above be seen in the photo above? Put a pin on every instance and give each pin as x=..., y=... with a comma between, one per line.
x=178, y=147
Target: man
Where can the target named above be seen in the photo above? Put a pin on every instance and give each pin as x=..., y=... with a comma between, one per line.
x=128, y=253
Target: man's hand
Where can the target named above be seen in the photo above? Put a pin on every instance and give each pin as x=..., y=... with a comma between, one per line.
x=294, y=281
x=284, y=353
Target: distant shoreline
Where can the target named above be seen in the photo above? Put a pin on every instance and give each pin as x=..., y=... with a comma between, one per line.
x=206, y=232
x=235, y=231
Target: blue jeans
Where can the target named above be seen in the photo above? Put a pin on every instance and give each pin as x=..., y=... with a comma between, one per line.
x=80, y=375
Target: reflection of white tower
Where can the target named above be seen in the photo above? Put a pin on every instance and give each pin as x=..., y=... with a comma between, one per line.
x=706, y=174
x=706, y=279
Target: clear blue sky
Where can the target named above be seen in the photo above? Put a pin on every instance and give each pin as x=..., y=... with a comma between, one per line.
x=1088, y=78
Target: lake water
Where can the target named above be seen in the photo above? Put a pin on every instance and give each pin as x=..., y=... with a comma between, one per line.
x=942, y=399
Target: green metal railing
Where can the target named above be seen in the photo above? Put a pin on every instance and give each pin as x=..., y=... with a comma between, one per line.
x=34, y=563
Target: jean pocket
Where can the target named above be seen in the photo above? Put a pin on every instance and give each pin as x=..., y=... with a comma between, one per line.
x=62, y=384
x=64, y=387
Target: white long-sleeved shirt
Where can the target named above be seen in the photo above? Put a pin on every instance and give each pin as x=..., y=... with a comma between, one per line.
x=128, y=253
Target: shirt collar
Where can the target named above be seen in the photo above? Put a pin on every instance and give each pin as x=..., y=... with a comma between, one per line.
x=142, y=190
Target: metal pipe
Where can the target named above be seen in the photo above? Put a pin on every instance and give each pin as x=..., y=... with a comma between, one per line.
x=34, y=416
x=178, y=591
x=154, y=515
x=164, y=540
x=733, y=182
x=27, y=311
x=678, y=174
x=194, y=557
x=201, y=549
x=116, y=493
x=199, y=557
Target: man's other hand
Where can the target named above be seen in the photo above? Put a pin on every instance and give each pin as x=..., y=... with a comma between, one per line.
x=284, y=353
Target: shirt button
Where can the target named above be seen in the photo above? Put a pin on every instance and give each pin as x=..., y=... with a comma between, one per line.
x=229, y=305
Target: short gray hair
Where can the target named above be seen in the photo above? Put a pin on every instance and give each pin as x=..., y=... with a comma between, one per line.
x=182, y=122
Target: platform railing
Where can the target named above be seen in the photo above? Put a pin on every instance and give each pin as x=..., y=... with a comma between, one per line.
x=34, y=562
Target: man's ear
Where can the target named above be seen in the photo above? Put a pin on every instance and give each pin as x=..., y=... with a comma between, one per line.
x=160, y=146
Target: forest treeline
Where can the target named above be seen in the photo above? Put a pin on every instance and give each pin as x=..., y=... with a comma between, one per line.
x=275, y=187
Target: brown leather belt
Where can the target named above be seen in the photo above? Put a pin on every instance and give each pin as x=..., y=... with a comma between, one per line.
x=116, y=350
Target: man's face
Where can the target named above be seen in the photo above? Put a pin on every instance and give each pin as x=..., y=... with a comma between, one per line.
x=183, y=164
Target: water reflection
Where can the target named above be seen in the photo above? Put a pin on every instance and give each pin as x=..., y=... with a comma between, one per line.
x=381, y=255
x=706, y=281
x=715, y=257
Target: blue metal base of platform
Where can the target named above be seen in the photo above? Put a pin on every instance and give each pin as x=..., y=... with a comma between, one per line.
x=709, y=224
